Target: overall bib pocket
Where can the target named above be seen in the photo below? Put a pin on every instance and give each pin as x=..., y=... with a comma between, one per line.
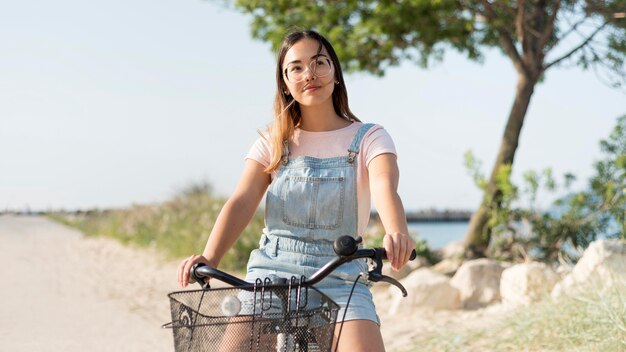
x=313, y=202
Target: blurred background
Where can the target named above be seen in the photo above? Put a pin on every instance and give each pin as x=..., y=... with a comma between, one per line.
x=109, y=104
x=130, y=120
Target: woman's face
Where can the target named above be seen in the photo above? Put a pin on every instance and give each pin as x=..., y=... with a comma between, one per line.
x=307, y=88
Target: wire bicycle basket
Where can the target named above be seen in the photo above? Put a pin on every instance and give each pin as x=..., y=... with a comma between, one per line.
x=263, y=317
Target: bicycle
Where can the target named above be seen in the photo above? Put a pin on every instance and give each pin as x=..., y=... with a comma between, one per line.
x=283, y=315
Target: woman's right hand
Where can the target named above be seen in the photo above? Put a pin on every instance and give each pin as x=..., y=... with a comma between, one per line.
x=185, y=267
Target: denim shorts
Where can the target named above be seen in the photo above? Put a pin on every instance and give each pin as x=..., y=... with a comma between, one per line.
x=287, y=257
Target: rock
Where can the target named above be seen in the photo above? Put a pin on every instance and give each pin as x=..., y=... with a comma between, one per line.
x=453, y=250
x=602, y=265
x=448, y=266
x=426, y=289
x=524, y=283
x=478, y=282
x=563, y=270
x=567, y=284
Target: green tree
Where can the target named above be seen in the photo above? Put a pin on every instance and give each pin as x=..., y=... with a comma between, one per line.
x=535, y=35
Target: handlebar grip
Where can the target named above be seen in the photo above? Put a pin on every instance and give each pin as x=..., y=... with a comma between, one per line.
x=193, y=277
x=200, y=271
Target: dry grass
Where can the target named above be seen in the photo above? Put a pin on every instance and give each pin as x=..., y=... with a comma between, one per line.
x=178, y=227
x=586, y=322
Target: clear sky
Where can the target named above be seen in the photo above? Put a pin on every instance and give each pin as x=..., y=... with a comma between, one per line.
x=111, y=103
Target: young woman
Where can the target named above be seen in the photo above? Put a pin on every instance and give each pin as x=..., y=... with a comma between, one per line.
x=320, y=164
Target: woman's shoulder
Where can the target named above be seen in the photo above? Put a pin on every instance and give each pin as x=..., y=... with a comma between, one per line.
x=376, y=141
x=374, y=130
x=356, y=126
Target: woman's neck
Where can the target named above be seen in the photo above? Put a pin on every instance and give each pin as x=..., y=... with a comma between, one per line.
x=321, y=118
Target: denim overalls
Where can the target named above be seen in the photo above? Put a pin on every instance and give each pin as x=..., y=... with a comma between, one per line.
x=309, y=204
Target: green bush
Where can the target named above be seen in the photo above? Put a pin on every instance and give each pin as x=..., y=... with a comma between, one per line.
x=572, y=222
x=178, y=227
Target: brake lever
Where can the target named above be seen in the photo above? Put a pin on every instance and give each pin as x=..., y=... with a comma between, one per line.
x=391, y=280
x=376, y=274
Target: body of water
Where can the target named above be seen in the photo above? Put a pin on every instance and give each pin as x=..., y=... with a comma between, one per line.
x=438, y=234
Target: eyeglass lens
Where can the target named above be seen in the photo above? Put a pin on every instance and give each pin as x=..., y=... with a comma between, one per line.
x=320, y=67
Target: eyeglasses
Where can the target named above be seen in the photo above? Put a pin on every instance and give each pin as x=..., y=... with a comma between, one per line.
x=320, y=67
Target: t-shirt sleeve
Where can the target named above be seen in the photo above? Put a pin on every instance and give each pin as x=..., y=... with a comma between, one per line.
x=377, y=141
x=260, y=152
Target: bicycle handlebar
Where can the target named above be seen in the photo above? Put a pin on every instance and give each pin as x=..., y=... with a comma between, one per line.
x=375, y=254
x=347, y=250
x=200, y=271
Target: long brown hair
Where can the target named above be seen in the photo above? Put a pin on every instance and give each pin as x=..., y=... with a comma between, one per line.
x=287, y=114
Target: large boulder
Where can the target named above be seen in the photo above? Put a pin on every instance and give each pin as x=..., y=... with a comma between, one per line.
x=452, y=256
x=602, y=265
x=426, y=289
x=525, y=283
x=478, y=282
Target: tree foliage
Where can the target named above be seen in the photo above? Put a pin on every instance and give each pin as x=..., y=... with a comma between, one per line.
x=368, y=35
x=375, y=35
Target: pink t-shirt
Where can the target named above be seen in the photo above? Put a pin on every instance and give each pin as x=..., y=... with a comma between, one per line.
x=331, y=144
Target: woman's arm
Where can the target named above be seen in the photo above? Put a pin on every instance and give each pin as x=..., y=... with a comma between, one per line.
x=384, y=176
x=232, y=220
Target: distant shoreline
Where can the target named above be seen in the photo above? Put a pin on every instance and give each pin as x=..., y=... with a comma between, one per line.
x=420, y=216
x=426, y=216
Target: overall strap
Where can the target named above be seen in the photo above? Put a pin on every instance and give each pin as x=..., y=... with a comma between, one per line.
x=356, y=142
x=285, y=155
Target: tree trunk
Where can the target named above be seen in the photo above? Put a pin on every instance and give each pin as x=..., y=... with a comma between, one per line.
x=478, y=233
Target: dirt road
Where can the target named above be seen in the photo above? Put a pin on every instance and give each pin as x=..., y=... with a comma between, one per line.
x=62, y=292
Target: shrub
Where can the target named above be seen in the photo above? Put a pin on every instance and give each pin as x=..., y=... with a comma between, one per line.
x=178, y=227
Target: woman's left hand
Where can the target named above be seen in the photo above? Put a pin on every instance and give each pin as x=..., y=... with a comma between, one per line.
x=398, y=247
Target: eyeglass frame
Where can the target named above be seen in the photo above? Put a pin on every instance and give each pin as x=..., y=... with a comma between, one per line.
x=310, y=68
